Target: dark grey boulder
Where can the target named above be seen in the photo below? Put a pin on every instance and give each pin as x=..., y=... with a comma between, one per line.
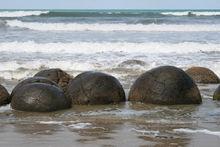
x=216, y=95
x=57, y=75
x=4, y=96
x=202, y=75
x=95, y=88
x=166, y=85
x=39, y=97
x=32, y=80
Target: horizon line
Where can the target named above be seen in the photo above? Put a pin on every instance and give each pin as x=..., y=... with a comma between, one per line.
x=104, y=9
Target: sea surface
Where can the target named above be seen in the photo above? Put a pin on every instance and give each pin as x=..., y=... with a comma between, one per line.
x=123, y=43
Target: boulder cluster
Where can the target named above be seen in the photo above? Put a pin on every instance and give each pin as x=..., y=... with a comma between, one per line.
x=54, y=89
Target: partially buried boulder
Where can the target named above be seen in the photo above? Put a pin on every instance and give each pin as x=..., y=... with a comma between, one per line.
x=166, y=85
x=4, y=96
x=132, y=63
x=95, y=88
x=216, y=95
x=57, y=75
x=39, y=97
x=32, y=80
x=202, y=75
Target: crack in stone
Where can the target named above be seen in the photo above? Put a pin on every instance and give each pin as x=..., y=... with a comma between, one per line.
x=83, y=90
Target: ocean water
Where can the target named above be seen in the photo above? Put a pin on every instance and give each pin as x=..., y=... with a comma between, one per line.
x=110, y=41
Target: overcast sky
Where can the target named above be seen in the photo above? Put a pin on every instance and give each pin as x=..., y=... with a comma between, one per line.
x=109, y=4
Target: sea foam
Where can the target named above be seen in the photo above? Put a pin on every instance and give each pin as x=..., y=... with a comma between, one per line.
x=203, y=131
x=113, y=27
x=4, y=108
x=80, y=125
x=21, y=13
x=100, y=47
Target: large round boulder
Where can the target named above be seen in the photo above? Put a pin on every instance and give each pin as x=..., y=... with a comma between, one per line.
x=39, y=97
x=57, y=75
x=202, y=75
x=216, y=95
x=95, y=88
x=32, y=80
x=166, y=85
x=4, y=96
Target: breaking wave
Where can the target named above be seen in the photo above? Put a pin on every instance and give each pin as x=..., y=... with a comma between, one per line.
x=21, y=13
x=100, y=47
x=113, y=27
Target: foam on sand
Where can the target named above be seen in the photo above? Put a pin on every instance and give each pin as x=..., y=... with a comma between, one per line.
x=80, y=125
x=113, y=27
x=4, y=108
x=71, y=124
x=203, y=131
x=146, y=132
x=54, y=122
x=21, y=13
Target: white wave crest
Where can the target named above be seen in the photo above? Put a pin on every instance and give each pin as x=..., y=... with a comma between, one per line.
x=196, y=13
x=21, y=13
x=112, y=27
x=19, y=70
x=100, y=47
x=204, y=131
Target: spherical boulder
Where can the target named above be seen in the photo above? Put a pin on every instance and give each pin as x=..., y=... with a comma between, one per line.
x=57, y=75
x=32, y=80
x=39, y=97
x=4, y=96
x=166, y=85
x=216, y=95
x=202, y=75
x=95, y=88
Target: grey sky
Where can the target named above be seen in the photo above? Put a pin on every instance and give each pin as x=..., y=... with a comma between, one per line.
x=109, y=4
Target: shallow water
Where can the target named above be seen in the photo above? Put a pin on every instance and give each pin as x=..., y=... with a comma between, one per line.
x=110, y=42
x=126, y=124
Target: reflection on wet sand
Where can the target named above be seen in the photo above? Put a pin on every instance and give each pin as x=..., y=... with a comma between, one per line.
x=35, y=129
x=126, y=124
x=113, y=125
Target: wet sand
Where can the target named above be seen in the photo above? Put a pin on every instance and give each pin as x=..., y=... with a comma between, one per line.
x=127, y=124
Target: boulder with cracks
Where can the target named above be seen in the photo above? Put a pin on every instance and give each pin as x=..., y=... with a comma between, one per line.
x=166, y=85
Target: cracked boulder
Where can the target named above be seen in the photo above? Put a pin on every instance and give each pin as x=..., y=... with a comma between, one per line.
x=39, y=97
x=4, y=96
x=216, y=95
x=57, y=75
x=95, y=88
x=202, y=75
x=166, y=85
